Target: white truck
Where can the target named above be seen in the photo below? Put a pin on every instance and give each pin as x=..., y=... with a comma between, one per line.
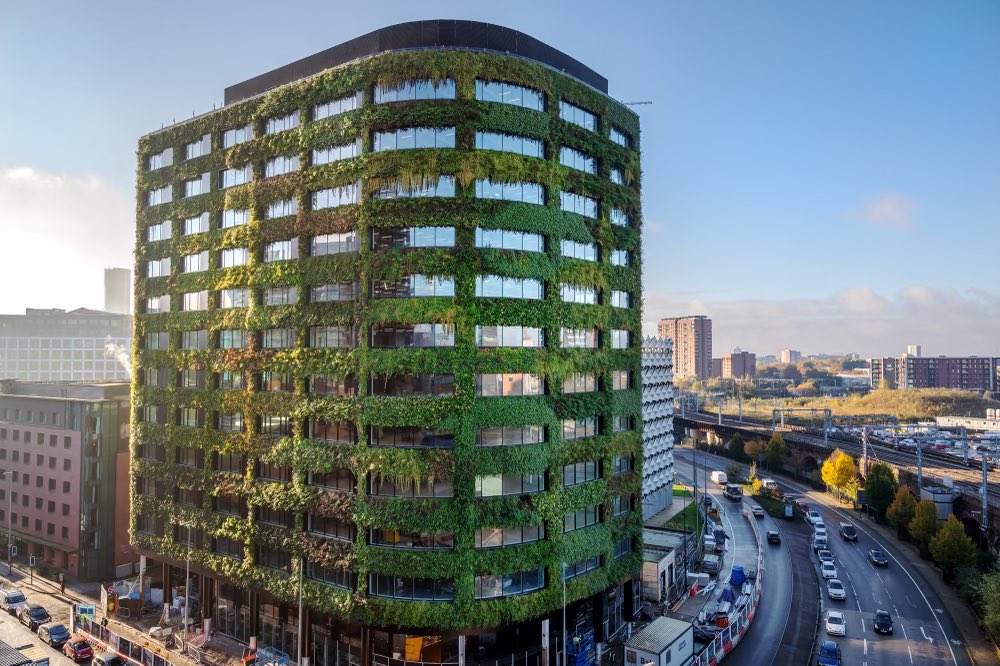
x=719, y=478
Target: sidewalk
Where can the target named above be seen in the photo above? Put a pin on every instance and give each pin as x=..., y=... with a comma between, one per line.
x=219, y=650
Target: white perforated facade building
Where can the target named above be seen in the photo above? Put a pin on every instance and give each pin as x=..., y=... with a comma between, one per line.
x=658, y=425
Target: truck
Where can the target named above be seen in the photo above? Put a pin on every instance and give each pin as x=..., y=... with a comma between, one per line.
x=733, y=491
x=719, y=478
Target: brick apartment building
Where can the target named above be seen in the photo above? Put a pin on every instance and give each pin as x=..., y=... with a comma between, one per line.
x=692, y=338
x=970, y=373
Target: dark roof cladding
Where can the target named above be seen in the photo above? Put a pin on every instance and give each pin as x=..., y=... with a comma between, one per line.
x=440, y=33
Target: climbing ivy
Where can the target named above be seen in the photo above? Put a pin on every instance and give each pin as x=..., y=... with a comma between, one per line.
x=461, y=413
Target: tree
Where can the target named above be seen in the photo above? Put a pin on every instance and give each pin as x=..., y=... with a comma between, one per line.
x=840, y=472
x=989, y=599
x=776, y=451
x=752, y=471
x=951, y=548
x=737, y=446
x=902, y=510
x=924, y=525
x=880, y=486
x=754, y=448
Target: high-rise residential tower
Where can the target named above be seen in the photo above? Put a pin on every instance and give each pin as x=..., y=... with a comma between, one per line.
x=388, y=344
x=692, y=338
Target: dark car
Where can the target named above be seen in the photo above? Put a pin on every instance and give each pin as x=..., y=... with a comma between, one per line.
x=773, y=537
x=55, y=635
x=78, y=649
x=878, y=558
x=33, y=616
x=883, y=622
x=828, y=655
x=848, y=532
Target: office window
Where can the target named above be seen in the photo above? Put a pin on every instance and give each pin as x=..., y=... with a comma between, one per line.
x=509, y=384
x=159, y=196
x=231, y=421
x=234, y=298
x=235, y=176
x=282, y=250
x=66, y=486
x=202, y=146
x=278, y=338
x=339, y=480
x=582, y=567
x=489, y=337
x=509, y=240
x=231, y=338
x=158, y=267
x=581, y=472
x=234, y=256
x=333, y=243
x=405, y=385
x=234, y=218
x=574, y=114
x=524, y=192
x=271, y=516
x=578, y=338
x=577, y=250
x=622, y=548
x=621, y=464
x=333, y=337
x=414, y=90
x=331, y=576
x=282, y=123
x=617, y=176
x=410, y=589
x=497, y=537
x=413, y=335
x=276, y=381
x=578, y=203
x=333, y=528
x=282, y=208
x=621, y=258
x=237, y=135
x=196, y=186
x=272, y=424
x=195, y=263
x=444, y=186
x=231, y=463
x=510, y=143
x=158, y=232
x=335, y=107
x=280, y=165
x=333, y=197
x=230, y=505
x=230, y=380
x=496, y=286
x=228, y=548
x=194, y=339
x=577, y=520
x=575, y=159
x=579, y=428
x=196, y=225
x=510, y=435
x=159, y=160
x=620, y=218
x=621, y=505
x=498, y=485
x=197, y=300
x=413, y=137
x=324, y=385
x=157, y=340
x=509, y=93
x=332, y=154
x=287, y=295
x=439, y=488
x=580, y=382
x=620, y=137
x=342, y=432
x=621, y=299
x=621, y=380
x=273, y=559
x=620, y=339
x=386, y=538
x=345, y=291
x=492, y=586
x=414, y=286
x=411, y=437
x=574, y=293
x=385, y=238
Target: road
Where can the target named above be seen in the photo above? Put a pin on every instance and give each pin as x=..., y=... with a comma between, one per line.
x=923, y=631
x=17, y=635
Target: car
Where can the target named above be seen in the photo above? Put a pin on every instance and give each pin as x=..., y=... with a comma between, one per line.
x=773, y=536
x=835, y=623
x=883, y=622
x=820, y=530
x=878, y=558
x=814, y=518
x=828, y=570
x=824, y=555
x=828, y=655
x=107, y=659
x=11, y=600
x=33, y=616
x=55, y=635
x=819, y=543
x=848, y=532
x=758, y=511
x=78, y=649
x=835, y=589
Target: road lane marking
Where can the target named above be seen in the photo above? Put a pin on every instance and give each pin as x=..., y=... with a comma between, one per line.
x=901, y=626
x=866, y=647
x=930, y=638
x=863, y=630
x=910, y=652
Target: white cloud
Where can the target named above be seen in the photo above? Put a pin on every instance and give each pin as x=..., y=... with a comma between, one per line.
x=890, y=211
x=58, y=234
x=944, y=321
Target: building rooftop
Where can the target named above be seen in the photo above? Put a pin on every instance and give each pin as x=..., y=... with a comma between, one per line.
x=660, y=634
x=434, y=34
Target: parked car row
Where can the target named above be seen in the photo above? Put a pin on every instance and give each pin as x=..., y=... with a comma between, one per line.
x=37, y=619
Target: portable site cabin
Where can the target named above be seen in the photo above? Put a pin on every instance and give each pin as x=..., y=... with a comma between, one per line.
x=664, y=641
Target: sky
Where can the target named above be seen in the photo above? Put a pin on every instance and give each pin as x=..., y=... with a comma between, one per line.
x=819, y=176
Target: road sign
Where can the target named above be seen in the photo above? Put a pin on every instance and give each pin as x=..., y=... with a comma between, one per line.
x=31, y=561
x=86, y=610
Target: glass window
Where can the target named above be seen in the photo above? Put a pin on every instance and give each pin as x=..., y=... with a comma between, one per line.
x=510, y=143
x=278, y=338
x=620, y=218
x=234, y=218
x=234, y=298
x=281, y=250
x=333, y=243
x=236, y=256
x=585, y=517
x=195, y=263
x=617, y=176
x=580, y=382
x=620, y=137
x=621, y=464
x=196, y=225
x=444, y=187
x=276, y=381
x=197, y=300
x=196, y=186
x=578, y=203
x=272, y=424
x=342, y=432
x=490, y=586
x=331, y=576
x=574, y=114
x=621, y=505
x=576, y=250
x=621, y=380
x=622, y=548
x=523, y=192
x=574, y=293
x=414, y=286
x=333, y=197
x=157, y=340
x=414, y=90
x=439, y=488
x=510, y=435
x=621, y=258
x=620, y=339
x=157, y=232
x=413, y=335
x=405, y=385
x=194, y=339
x=324, y=385
x=156, y=304
x=621, y=299
x=413, y=137
x=509, y=336
x=384, y=238
x=280, y=165
x=509, y=240
x=496, y=537
x=232, y=381
x=385, y=538
x=578, y=338
x=282, y=208
x=333, y=528
x=237, y=135
x=575, y=159
x=496, y=286
x=497, y=485
x=340, y=480
x=287, y=295
x=509, y=384
x=509, y=93
x=411, y=437
x=345, y=291
x=333, y=337
x=237, y=176
x=159, y=196
x=202, y=146
x=581, y=472
x=582, y=567
x=161, y=159
x=158, y=267
x=335, y=153
x=335, y=107
x=282, y=123
x=579, y=428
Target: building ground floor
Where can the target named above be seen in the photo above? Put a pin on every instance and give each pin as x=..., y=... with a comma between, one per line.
x=254, y=617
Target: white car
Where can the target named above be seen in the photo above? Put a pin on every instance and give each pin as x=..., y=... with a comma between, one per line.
x=828, y=570
x=758, y=511
x=835, y=589
x=824, y=555
x=814, y=518
x=819, y=530
x=835, y=624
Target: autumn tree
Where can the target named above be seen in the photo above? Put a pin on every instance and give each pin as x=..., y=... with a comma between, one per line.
x=924, y=525
x=754, y=448
x=902, y=510
x=880, y=486
x=951, y=548
x=840, y=472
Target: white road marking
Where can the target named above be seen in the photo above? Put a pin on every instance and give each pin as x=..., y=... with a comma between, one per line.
x=930, y=638
x=863, y=630
x=866, y=647
x=910, y=653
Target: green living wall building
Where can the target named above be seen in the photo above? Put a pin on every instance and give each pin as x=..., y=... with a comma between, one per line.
x=387, y=353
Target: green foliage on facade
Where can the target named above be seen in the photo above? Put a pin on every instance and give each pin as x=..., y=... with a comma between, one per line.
x=462, y=413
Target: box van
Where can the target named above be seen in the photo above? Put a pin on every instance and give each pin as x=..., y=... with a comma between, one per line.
x=107, y=659
x=770, y=484
x=719, y=478
x=11, y=599
x=847, y=532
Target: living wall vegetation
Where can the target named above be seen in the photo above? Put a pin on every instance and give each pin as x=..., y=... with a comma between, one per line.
x=463, y=413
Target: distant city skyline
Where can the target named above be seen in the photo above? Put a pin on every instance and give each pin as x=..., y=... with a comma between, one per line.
x=827, y=165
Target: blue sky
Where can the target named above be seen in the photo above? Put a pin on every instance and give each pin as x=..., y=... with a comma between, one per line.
x=824, y=176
